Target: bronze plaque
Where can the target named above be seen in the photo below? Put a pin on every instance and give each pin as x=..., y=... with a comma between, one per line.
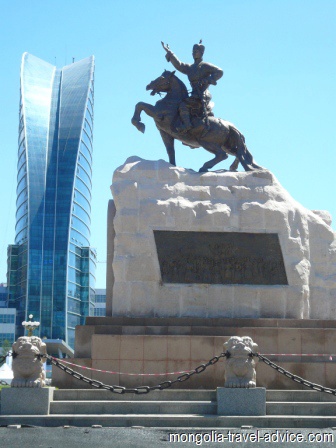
x=220, y=258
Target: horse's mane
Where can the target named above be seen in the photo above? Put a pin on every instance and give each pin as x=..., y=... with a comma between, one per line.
x=184, y=90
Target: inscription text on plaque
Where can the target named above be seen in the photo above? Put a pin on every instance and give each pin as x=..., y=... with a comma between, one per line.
x=220, y=258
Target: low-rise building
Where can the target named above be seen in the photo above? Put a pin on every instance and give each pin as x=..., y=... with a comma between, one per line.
x=100, y=302
x=7, y=318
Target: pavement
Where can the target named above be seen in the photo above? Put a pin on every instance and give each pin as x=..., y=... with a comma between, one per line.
x=139, y=437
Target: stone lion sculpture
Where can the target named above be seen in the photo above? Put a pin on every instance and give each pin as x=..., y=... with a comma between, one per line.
x=239, y=365
x=27, y=366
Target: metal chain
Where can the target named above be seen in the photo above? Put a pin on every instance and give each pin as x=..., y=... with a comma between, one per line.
x=2, y=358
x=293, y=377
x=180, y=379
x=140, y=389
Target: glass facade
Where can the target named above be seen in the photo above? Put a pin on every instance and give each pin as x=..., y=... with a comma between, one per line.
x=51, y=266
x=100, y=303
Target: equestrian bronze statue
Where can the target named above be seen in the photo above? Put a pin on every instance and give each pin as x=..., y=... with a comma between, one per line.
x=190, y=118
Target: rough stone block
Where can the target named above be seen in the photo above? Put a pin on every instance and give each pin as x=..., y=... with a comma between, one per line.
x=153, y=195
x=297, y=303
x=320, y=303
x=221, y=301
x=168, y=303
x=126, y=221
x=252, y=217
x=143, y=297
x=246, y=301
x=221, y=215
x=273, y=301
x=26, y=400
x=127, y=192
x=238, y=401
x=142, y=268
x=221, y=193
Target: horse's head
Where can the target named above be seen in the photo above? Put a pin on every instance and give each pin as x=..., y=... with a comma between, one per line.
x=162, y=83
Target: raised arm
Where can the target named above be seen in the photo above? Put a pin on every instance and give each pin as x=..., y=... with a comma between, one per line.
x=170, y=56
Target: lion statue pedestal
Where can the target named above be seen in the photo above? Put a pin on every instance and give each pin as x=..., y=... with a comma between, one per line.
x=29, y=353
x=240, y=396
x=27, y=396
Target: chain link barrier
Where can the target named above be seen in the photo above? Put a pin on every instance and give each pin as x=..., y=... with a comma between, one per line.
x=295, y=378
x=180, y=379
x=3, y=358
x=140, y=389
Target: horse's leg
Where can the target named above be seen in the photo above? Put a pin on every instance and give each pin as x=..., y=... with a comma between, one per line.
x=136, y=119
x=216, y=149
x=241, y=155
x=168, y=140
x=251, y=161
x=246, y=158
x=234, y=165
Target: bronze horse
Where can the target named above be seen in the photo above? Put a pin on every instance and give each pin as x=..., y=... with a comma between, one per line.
x=217, y=136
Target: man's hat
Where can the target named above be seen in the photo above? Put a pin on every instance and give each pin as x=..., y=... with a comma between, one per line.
x=199, y=47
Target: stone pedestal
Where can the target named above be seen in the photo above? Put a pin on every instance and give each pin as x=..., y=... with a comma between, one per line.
x=171, y=309
x=158, y=345
x=26, y=400
x=255, y=251
x=238, y=401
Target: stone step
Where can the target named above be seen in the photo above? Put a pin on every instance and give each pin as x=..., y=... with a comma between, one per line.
x=183, y=407
x=172, y=421
x=133, y=407
x=186, y=394
x=299, y=408
x=179, y=408
x=299, y=395
x=157, y=395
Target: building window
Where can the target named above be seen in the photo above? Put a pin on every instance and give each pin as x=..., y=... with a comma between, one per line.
x=100, y=312
x=6, y=337
x=7, y=318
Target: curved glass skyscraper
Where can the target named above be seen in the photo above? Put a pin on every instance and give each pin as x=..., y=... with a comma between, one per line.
x=51, y=265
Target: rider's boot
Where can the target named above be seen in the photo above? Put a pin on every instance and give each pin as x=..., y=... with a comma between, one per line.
x=186, y=123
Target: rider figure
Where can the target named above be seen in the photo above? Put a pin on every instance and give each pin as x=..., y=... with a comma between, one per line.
x=201, y=75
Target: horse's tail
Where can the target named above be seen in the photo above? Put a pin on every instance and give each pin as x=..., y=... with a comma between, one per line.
x=236, y=143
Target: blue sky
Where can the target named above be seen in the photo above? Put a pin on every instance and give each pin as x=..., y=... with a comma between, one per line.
x=278, y=88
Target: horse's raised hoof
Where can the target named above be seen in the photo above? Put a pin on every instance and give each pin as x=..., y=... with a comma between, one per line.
x=141, y=127
x=203, y=170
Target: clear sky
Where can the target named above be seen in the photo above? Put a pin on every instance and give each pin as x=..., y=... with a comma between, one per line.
x=278, y=88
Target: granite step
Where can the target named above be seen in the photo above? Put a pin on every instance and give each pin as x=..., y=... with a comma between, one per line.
x=133, y=407
x=157, y=395
x=179, y=408
x=301, y=408
x=299, y=396
x=187, y=394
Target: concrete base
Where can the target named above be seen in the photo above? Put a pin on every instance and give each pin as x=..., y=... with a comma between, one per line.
x=237, y=401
x=26, y=401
